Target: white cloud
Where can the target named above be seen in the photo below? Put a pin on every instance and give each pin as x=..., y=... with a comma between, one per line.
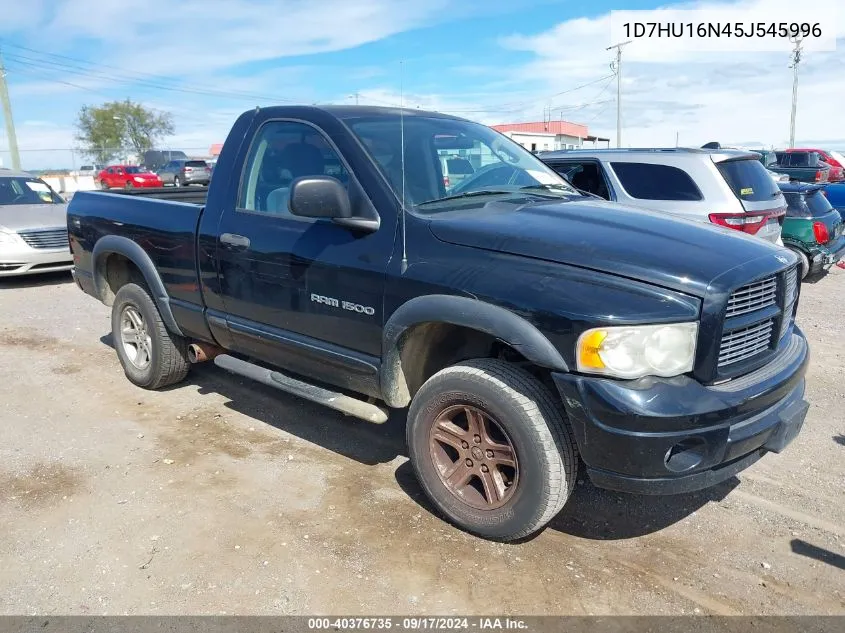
x=716, y=97
x=190, y=36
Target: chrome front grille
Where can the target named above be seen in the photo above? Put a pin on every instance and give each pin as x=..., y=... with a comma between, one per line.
x=45, y=238
x=754, y=296
x=738, y=345
x=790, y=294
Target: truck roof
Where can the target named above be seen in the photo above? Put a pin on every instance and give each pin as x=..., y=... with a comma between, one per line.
x=353, y=111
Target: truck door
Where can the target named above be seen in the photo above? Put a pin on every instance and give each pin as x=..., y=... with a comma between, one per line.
x=302, y=293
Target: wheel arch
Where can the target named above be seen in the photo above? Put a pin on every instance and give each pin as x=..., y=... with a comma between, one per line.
x=126, y=250
x=436, y=323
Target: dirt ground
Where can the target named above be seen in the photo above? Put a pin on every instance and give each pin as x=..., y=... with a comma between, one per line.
x=221, y=496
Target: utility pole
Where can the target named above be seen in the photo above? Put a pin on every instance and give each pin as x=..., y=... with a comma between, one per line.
x=7, y=115
x=616, y=66
x=796, y=59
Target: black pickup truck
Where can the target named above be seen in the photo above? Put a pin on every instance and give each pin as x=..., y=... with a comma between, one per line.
x=526, y=326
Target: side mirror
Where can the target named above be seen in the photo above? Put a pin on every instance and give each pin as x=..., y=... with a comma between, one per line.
x=319, y=197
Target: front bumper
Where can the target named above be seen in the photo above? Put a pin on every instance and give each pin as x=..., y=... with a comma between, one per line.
x=23, y=260
x=666, y=436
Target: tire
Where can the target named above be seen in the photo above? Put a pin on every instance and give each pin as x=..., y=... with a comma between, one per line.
x=516, y=410
x=128, y=185
x=166, y=354
x=104, y=185
x=804, y=262
x=177, y=182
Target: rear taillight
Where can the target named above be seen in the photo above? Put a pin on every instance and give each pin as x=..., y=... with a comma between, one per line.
x=821, y=233
x=446, y=181
x=746, y=222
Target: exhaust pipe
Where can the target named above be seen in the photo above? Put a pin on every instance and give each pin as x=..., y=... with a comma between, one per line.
x=201, y=352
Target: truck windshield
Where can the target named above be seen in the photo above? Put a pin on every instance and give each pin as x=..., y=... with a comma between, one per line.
x=22, y=190
x=489, y=162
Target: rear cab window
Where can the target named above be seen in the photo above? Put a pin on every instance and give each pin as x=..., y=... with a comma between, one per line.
x=649, y=181
x=196, y=163
x=812, y=204
x=748, y=179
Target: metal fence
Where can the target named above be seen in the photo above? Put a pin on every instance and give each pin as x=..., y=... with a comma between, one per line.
x=68, y=159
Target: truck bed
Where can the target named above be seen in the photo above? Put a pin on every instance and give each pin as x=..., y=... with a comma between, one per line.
x=192, y=195
x=163, y=222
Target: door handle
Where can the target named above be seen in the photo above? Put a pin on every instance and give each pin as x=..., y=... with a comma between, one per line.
x=233, y=239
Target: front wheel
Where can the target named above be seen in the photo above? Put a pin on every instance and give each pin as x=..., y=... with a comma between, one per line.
x=104, y=185
x=491, y=449
x=177, y=182
x=128, y=184
x=151, y=356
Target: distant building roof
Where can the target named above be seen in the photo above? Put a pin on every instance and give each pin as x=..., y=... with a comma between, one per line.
x=550, y=127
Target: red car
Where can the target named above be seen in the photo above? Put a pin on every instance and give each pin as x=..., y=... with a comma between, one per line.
x=834, y=159
x=127, y=176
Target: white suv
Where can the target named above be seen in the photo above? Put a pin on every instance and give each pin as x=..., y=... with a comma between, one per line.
x=730, y=188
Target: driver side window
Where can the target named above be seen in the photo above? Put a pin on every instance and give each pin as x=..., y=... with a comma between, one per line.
x=281, y=152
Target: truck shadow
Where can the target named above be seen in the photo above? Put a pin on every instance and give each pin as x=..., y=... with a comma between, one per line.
x=603, y=515
x=591, y=513
x=364, y=442
x=34, y=281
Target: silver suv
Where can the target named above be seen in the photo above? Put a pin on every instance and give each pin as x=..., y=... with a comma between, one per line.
x=730, y=188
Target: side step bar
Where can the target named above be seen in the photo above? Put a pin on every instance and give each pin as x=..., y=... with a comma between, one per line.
x=332, y=399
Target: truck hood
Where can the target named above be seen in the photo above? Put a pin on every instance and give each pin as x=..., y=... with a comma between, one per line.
x=17, y=217
x=612, y=238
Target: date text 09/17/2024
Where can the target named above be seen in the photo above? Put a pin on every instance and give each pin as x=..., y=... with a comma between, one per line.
x=418, y=623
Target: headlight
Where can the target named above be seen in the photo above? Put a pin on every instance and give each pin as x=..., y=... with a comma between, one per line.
x=138, y=179
x=638, y=350
x=9, y=238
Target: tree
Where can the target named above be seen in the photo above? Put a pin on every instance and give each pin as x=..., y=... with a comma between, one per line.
x=117, y=127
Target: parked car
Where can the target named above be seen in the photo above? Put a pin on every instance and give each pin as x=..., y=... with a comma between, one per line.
x=87, y=170
x=155, y=159
x=33, y=226
x=801, y=166
x=832, y=158
x=526, y=325
x=455, y=170
x=127, y=176
x=721, y=186
x=812, y=228
x=776, y=177
x=835, y=194
x=185, y=172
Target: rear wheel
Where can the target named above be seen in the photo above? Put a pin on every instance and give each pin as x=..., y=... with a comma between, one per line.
x=152, y=357
x=177, y=182
x=129, y=184
x=491, y=449
x=104, y=185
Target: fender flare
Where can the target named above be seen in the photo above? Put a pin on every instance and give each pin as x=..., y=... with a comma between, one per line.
x=133, y=252
x=463, y=311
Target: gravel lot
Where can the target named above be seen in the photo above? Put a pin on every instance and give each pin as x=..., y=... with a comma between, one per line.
x=221, y=496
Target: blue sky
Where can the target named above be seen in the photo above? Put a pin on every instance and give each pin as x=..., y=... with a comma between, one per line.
x=494, y=61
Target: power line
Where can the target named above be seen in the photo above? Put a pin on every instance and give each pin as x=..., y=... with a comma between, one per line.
x=125, y=75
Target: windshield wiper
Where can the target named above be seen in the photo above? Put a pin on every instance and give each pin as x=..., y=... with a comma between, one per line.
x=548, y=187
x=468, y=194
